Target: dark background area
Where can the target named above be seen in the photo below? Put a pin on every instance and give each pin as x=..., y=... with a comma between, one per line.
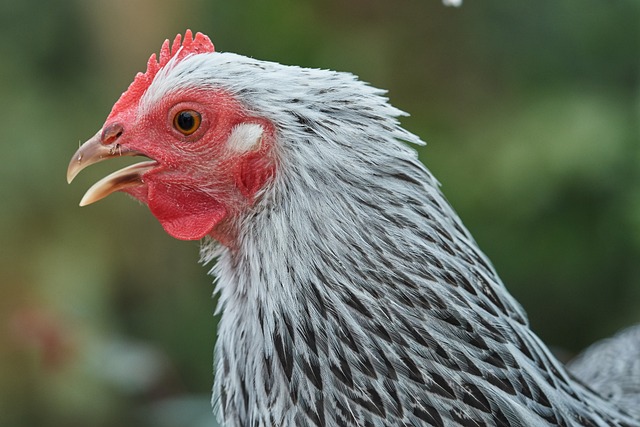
x=530, y=112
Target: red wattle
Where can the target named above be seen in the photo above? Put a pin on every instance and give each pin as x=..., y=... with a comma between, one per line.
x=184, y=212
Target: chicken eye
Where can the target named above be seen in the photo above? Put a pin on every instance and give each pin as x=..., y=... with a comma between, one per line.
x=187, y=121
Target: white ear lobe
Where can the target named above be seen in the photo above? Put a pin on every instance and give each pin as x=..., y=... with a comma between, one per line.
x=245, y=137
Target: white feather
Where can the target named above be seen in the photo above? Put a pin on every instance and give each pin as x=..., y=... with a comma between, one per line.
x=351, y=261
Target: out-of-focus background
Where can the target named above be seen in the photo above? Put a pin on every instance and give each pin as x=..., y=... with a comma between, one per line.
x=530, y=111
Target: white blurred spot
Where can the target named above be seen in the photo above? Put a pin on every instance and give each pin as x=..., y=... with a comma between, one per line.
x=455, y=3
x=132, y=366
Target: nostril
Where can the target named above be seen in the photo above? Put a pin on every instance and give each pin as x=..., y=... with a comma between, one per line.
x=111, y=133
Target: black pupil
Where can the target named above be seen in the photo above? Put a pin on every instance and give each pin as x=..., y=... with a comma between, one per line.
x=186, y=120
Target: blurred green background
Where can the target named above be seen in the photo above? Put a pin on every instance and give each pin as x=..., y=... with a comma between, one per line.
x=530, y=111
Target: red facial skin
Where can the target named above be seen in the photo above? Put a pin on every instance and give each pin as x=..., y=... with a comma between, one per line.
x=199, y=185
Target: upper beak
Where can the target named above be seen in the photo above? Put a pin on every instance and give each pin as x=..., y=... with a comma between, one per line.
x=94, y=151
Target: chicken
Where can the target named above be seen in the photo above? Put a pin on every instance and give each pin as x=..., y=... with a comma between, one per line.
x=351, y=293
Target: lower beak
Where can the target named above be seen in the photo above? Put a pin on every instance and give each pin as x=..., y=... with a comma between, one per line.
x=94, y=151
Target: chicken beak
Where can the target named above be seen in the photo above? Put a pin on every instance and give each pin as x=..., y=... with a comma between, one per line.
x=94, y=151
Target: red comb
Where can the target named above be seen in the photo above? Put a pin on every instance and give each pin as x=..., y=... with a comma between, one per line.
x=179, y=49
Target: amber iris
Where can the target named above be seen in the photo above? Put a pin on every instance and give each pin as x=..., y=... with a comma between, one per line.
x=187, y=121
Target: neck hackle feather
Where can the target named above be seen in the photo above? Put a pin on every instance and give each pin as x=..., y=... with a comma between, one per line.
x=354, y=295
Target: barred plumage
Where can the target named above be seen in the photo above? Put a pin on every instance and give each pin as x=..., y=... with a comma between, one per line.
x=352, y=294
x=357, y=297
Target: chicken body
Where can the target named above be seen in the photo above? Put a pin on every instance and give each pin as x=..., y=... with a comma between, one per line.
x=350, y=292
